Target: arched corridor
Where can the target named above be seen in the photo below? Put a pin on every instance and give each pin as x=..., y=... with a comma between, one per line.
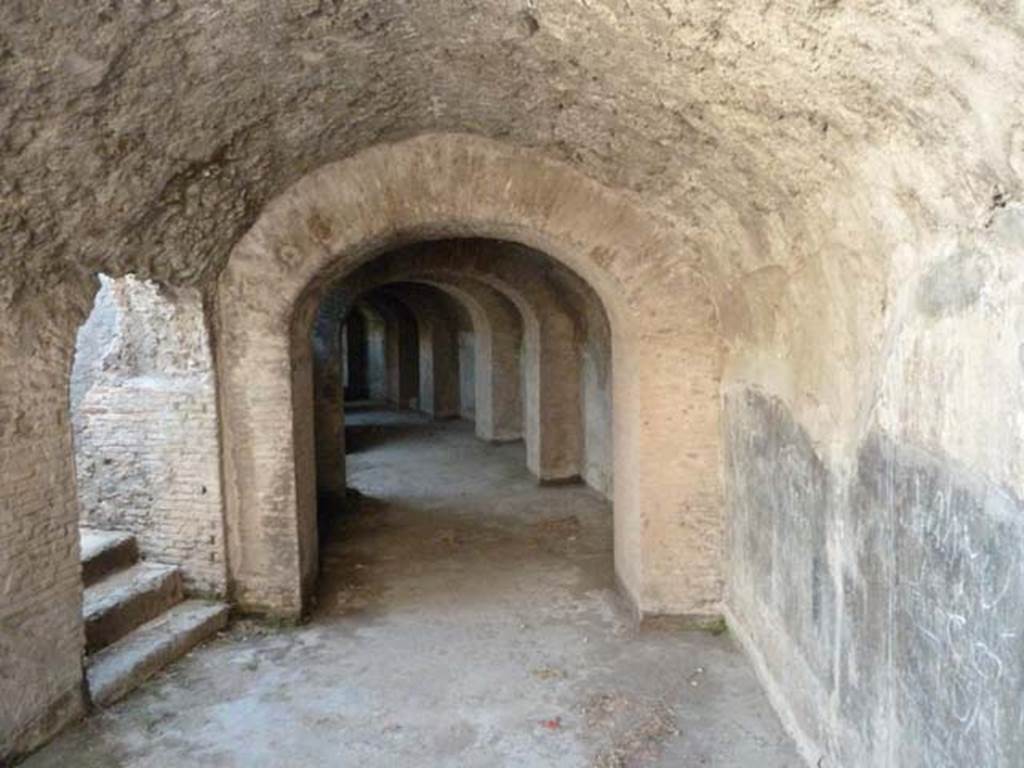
x=285, y=270
x=523, y=343
x=507, y=339
x=339, y=339
x=464, y=616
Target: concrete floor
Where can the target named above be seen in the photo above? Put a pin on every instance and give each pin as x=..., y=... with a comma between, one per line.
x=466, y=618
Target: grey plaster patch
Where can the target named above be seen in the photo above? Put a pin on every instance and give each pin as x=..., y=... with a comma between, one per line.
x=957, y=607
x=952, y=285
x=923, y=661
x=779, y=521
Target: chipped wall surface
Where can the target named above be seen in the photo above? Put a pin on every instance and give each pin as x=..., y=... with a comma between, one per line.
x=147, y=450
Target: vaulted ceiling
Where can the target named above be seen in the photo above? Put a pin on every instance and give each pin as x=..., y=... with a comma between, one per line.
x=146, y=135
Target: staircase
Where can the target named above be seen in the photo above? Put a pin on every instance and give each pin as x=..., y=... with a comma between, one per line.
x=136, y=617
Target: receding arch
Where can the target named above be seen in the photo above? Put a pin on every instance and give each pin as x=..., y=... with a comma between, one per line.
x=498, y=330
x=552, y=424
x=666, y=439
x=438, y=361
x=497, y=327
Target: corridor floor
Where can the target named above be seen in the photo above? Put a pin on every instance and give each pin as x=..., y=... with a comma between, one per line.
x=466, y=617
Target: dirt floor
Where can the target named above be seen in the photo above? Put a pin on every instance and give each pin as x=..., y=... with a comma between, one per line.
x=466, y=617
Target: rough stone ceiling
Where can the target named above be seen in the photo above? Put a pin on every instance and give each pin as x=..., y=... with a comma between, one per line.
x=146, y=135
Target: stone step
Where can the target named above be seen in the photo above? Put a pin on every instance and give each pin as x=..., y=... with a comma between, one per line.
x=120, y=602
x=120, y=667
x=104, y=552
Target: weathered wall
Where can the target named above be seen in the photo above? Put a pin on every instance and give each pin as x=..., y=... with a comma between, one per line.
x=41, y=635
x=144, y=412
x=880, y=583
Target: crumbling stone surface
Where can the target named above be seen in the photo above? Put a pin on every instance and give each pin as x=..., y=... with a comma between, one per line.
x=147, y=136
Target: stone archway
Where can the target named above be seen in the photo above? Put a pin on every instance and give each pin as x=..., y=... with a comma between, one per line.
x=667, y=499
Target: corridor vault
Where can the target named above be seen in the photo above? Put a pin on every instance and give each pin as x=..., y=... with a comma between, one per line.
x=794, y=228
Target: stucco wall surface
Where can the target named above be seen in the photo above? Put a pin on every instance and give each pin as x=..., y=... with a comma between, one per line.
x=882, y=587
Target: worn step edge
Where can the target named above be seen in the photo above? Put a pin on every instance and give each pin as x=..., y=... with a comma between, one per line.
x=104, y=552
x=122, y=601
x=121, y=667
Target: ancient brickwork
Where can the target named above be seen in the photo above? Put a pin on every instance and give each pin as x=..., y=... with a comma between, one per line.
x=41, y=635
x=666, y=420
x=145, y=422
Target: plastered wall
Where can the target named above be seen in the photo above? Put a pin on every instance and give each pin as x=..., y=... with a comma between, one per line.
x=874, y=535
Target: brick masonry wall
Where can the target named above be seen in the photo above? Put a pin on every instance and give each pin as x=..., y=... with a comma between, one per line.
x=145, y=426
x=41, y=636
